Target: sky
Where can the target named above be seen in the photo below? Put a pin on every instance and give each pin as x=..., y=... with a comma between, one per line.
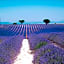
x=32, y=10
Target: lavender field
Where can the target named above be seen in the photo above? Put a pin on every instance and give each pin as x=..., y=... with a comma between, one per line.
x=47, y=42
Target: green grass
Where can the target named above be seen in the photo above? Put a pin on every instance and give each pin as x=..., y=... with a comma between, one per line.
x=40, y=44
x=0, y=40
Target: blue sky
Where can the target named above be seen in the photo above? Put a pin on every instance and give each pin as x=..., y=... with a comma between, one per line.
x=32, y=10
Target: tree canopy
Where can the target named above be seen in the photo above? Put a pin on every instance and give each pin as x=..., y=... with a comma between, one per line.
x=46, y=21
x=14, y=23
x=21, y=21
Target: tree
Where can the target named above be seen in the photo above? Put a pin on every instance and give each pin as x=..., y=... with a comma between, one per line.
x=55, y=23
x=21, y=21
x=46, y=21
x=14, y=23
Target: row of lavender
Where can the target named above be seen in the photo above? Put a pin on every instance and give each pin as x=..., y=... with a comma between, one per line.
x=9, y=49
x=56, y=37
x=45, y=54
x=11, y=30
x=49, y=54
x=19, y=29
x=45, y=51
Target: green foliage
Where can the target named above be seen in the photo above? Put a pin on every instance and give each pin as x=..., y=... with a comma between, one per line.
x=0, y=40
x=55, y=23
x=49, y=50
x=46, y=21
x=14, y=23
x=21, y=21
x=40, y=44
